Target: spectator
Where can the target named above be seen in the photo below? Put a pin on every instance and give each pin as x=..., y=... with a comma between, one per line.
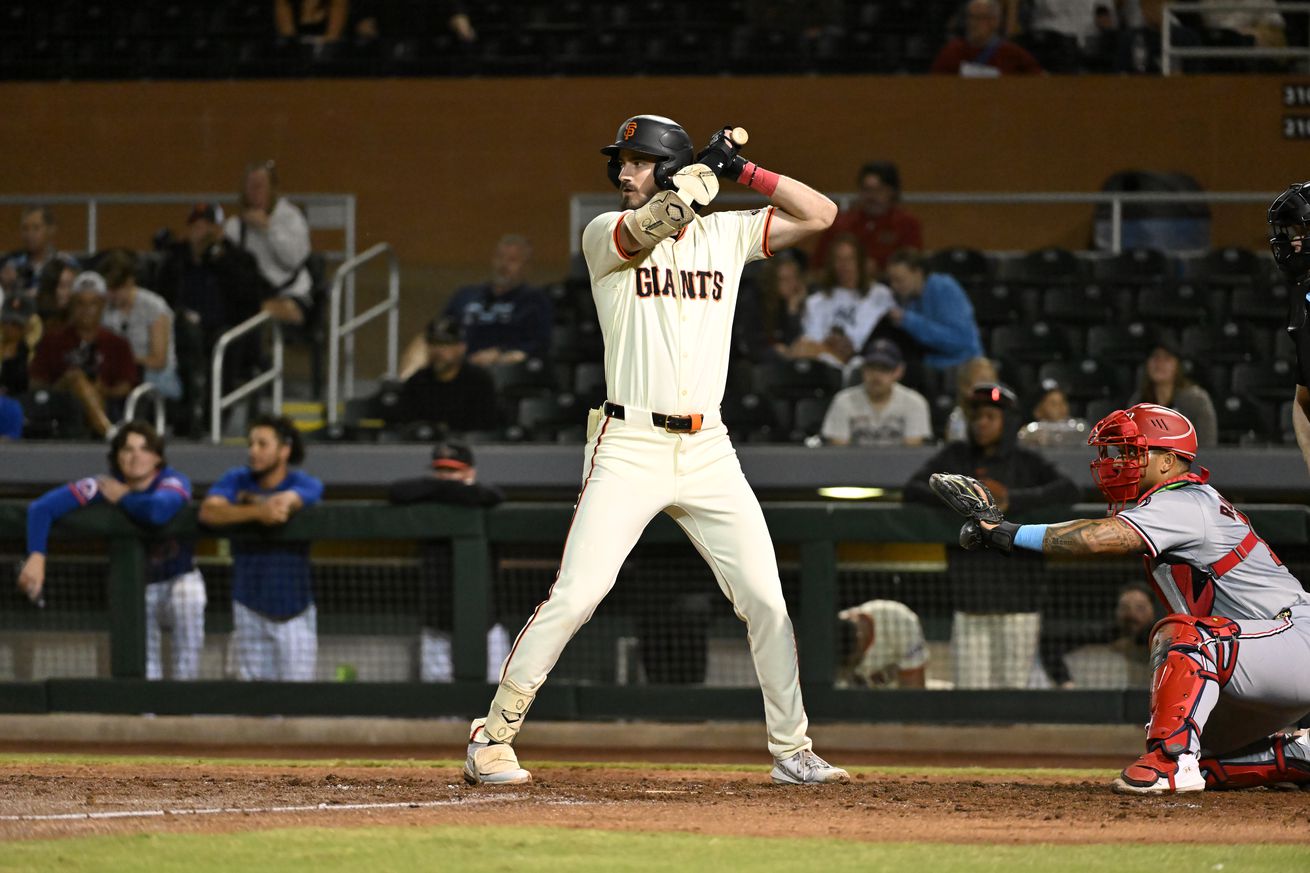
x=995, y=630
x=878, y=220
x=1164, y=382
x=151, y=493
x=317, y=22
x=1127, y=635
x=450, y=392
x=1139, y=45
x=274, y=620
x=982, y=52
x=882, y=646
x=141, y=317
x=840, y=318
x=782, y=301
x=1052, y=423
x=276, y=233
x=967, y=375
x=881, y=411
x=37, y=229
x=502, y=321
x=86, y=359
x=1260, y=23
x=453, y=481
x=54, y=290
x=14, y=351
x=11, y=419
x=214, y=284
x=460, y=24
x=1060, y=33
x=932, y=312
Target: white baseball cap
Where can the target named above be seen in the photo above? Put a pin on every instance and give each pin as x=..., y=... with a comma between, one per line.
x=90, y=280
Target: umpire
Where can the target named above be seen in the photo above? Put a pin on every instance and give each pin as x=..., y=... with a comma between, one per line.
x=1289, y=228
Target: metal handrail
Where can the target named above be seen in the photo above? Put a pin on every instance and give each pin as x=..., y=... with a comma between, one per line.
x=1168, y=51
x=140, y=392
x=337, y=331
x=584, y=207
x=220, y=401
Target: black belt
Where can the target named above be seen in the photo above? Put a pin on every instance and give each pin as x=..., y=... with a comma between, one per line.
x=671, y=423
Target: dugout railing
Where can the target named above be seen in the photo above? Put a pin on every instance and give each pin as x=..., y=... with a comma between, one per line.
x=366, y=559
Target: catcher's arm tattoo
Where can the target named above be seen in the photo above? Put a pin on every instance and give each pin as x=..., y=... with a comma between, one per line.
x=1098, y=536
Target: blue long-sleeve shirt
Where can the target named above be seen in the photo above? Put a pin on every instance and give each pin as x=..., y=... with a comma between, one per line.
x=271, y=578
x=941, y=318
x=155, y=506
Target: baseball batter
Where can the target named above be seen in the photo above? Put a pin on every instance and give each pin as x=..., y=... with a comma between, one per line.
x=1231, y=661
x=665, y=283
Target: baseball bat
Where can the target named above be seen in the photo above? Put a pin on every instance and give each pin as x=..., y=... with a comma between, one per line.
x=740, y=136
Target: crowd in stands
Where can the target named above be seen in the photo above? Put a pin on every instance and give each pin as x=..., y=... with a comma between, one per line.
x=87, y=39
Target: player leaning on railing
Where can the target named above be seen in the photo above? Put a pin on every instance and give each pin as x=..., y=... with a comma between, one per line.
x=1231, y=661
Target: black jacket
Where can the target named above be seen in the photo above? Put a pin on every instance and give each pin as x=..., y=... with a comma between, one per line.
x=1028, y=477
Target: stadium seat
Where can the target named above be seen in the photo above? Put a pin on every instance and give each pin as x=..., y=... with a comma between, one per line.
x=807, y=419
x=1045, y=267
x=1225, y=343
x=1286, y=430
x=1030, y=343
x=525, y=379
x=1083, y=380
x=748, y=415
x=1169, y=304
x=1122, y=343
x=970, y=267
x=1262, y=381
x=1243, y=421
x=1001, y=304
x=1134, y=267
x=1226, y=266
x=796, y=379
x=1101, y=407
x=542, y=417
x=589, y=383
x=51, y=415
x=1079, y=304
x=1257, y=303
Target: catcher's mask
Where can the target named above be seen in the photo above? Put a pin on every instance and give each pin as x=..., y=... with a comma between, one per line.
x=653, y=135
x=1124, y=439
x=1289, y=223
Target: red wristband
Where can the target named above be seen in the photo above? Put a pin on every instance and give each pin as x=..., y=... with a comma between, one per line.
x=757, y=178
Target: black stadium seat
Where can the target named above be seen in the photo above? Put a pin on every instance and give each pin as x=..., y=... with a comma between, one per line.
x=1225, y=343
x=796, y=379
x=1135, y=267
x=1045, y=267
x=1083, y=380
x=1243, y=421
x=1079, y=304
x=970, y=267
x=1170, y=304
x=1123, y=343
x=1262, y=381
x=1259, y=303
x=1030, y=343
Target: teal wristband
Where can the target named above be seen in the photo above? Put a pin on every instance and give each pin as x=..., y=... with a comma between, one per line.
x=1030, y=536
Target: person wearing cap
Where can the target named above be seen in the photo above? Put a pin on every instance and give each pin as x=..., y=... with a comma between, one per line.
x=213, y=283
x=881, y=411
x=450, y=392
x=877, y=219
x=86, y=359
x=1052, y=423
x=141, y=317
x=1165, y=382
x=453, y=480
x=996, y=626
x=503, y=320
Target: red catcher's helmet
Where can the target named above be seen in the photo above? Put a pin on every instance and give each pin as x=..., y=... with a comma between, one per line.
x=1133, y=432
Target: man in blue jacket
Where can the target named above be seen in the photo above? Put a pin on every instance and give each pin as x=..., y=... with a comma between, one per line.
x=933, y=310
x=151, y=493
x=274, y=622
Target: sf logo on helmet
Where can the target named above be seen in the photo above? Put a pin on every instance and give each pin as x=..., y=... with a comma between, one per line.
x=630, y=131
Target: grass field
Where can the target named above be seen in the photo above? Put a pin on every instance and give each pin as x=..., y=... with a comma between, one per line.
x=570, y=851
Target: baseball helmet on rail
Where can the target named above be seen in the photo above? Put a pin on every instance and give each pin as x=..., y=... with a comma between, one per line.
x=1289, y=220
x=1124, y=439
x=656, y=136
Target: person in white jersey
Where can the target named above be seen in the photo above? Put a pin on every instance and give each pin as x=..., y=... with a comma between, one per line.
x=665, y=282
x=1231, y=661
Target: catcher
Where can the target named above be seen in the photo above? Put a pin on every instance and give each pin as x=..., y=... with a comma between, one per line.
x=1231, y=662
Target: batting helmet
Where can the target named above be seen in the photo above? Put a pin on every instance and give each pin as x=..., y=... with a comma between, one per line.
x=1125, y=437
x=1289, y=221
x=656, y=136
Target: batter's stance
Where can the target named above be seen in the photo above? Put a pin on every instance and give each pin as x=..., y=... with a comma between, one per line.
x=1232, y=661
x=665, y=284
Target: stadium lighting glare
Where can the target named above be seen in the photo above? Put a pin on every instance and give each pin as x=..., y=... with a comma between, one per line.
x=849, y=492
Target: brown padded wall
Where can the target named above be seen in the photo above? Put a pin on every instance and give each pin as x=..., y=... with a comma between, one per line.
x=442, y=167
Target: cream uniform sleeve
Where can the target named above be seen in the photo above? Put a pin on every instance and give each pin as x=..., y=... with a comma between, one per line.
x=601, y=247
x=748, y=230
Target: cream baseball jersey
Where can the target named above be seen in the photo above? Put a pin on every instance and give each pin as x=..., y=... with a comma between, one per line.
x=666, y=313
x=1206, y=559
x=896, y=641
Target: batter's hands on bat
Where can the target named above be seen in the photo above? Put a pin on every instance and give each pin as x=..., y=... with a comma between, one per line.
x=721, y=155
x=696, y=184
x=986, y=527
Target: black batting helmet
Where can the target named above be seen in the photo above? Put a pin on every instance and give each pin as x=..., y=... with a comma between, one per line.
x=656, y=136
x=1289, y=219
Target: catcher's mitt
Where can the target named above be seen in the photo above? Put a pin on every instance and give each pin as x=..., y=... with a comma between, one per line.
x=972, y=499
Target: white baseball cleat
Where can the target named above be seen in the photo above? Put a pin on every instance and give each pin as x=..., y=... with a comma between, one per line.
x=1156, y=773
x=806, y=768
x=493, y=764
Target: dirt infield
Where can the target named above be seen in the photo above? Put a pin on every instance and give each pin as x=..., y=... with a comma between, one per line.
x=214, y=797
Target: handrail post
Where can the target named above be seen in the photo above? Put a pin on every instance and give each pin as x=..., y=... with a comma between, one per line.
x=277, y=367
x=393, y=318
x=1116, y=225
x=339, y=331
x=1166, y=39
x=220, y=401
x=92, y=231
x=145, y=389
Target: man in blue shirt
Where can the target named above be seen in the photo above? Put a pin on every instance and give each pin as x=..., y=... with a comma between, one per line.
x=274, y=622
x=151, y=493
x=933, y=310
